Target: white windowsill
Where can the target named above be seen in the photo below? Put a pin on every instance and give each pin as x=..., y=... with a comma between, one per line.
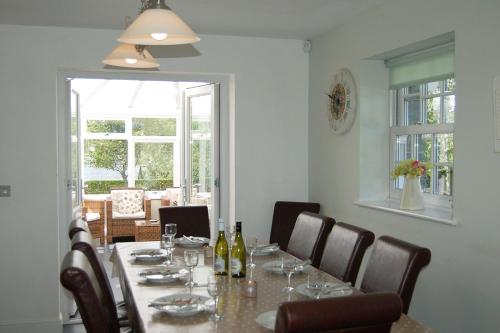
x=430, y=213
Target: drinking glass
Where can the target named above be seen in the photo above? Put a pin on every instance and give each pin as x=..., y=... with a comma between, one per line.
x=191, y=260
x=168, y=241
x=215, y=288
x=252, y=245
x=315, y=284
x=289, y=268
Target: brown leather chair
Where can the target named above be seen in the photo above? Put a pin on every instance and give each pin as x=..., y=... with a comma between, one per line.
x=284, y=218
x=309, y=236
x=368, y=313
x=190, y=220
x=344, y=250
x=77, y=225
x=394, y=266
x=78, y=277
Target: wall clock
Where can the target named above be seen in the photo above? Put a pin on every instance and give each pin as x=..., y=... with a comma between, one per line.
x=342, y=102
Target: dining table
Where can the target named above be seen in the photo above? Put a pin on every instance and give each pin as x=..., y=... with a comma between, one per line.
x=238, y=310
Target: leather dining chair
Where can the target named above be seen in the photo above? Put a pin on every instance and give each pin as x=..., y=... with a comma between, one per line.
x=284, y=217
x=190, y=220
x=394, y=266
x=78, y=277
x=309, y=236
x=344, y=250
x=364, y=313
x=77, y=225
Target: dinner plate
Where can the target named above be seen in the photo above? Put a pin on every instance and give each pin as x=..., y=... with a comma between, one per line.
x=149, y=254
x=181, y=305
x=162, y=275
x=267, y=319
x=192, y=242
x=275, y=267
x=330, y=290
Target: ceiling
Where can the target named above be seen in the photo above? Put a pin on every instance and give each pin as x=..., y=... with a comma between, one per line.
x=297, y=19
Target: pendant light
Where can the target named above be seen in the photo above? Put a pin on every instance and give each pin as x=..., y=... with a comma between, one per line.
x=158, y=25
x=131, y=56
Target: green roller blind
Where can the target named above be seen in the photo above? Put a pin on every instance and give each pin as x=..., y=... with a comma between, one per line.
x=433, y=64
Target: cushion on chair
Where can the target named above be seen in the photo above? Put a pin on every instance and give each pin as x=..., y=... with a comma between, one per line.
x=120, y=216
x=91, y=217
x=127, y=201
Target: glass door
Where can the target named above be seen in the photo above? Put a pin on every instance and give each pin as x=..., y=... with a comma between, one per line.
x=201, y=148
x=76, y=185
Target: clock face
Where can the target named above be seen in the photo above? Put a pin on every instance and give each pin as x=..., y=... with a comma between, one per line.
x=342, y=102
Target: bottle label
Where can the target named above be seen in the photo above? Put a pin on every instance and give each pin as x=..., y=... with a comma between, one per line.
x=235, y=266
x=219, y=264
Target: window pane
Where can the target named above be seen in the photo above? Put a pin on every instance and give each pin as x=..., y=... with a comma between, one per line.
x=426, y=182
x=449, y=85
x=449, y=109
x=153, y=126
x=403, y=147
x=154, y=165
x=433, y=88
x=106, y=126
x=424, y=147
x=445, y=180
x=412, y=111
x=444, y=143
x=105, y=165
x=433, y=110
x=414, y=89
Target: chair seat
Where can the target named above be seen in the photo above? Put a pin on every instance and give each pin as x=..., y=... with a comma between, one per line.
x=120, y=216
x=91, y=217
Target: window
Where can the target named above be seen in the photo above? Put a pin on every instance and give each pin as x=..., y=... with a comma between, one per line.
x=422, y=126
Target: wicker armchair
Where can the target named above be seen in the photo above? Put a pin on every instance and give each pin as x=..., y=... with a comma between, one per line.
x=93, y=213
x=122, y=224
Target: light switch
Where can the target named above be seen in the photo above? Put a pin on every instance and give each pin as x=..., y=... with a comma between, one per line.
x=4, y=190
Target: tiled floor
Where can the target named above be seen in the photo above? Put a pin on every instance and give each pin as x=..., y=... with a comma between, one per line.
x=115, y=284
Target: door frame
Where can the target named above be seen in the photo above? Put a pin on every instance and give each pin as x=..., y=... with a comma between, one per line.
x=63, y=118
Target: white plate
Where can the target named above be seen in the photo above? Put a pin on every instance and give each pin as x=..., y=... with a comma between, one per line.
x=163, y=275
x=197, y=242
x=275, y=267
x=149, y=254
x=267, y=319
x=329, y=291
x=181, y=305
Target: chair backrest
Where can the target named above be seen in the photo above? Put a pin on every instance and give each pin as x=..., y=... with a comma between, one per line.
x=82, y=241
x=127, y=198
x=344, y=250
x=78, y=277
x=284, y=218
x=309, y=236
x=394, y=266
x=365, y=313
x=190, y=220
x=77, y=225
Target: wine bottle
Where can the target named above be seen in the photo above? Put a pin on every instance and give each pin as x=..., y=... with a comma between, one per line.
x=238, y=255
x=221, y=252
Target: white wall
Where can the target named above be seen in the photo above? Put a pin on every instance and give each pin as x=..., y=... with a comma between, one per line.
x=459, y=291
x=270, y=104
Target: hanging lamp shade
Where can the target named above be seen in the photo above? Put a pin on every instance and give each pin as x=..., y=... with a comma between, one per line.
x=127, y=55
x=158, y=26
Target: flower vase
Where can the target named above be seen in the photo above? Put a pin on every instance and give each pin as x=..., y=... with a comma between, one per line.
x=411, y=199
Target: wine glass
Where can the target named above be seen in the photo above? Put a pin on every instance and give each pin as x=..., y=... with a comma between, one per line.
x=191, y=260
x=168, y=241
x=252, y=245
x=289, y=268
x=215, y=288
x=231, y=231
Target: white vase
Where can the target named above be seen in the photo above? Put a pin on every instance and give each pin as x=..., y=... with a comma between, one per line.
x=411, y=198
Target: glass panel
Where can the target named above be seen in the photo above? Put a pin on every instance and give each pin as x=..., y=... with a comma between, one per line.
x=154, y=165
x=433, y=110
x=449, y=109
x=444, y=148
x=413, y=89
x=105, y=165
x=433, y=88
x=412, y=111
x=153, y=126
x=106, y=126
x=424, y=147
x=403, y=147
x=449, y=85
x=426, y=182
x=445, y=180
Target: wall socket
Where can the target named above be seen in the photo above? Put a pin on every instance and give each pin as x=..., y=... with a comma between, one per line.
x=4, y=190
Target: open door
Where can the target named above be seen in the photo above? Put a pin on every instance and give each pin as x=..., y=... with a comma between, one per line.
x=201, y=149
x=76, y=183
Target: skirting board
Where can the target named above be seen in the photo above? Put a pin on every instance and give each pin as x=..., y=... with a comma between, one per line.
x=34, y=325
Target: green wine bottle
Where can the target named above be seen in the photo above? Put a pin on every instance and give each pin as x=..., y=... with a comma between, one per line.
x=221, y=252
x=238, y=255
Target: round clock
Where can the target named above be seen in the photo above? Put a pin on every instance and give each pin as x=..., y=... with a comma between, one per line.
x=342, y=102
